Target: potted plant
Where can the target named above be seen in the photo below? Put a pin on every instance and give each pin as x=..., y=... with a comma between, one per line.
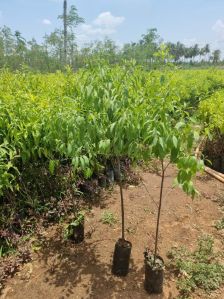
x=118, y=119
x=102, y=180
x=170, y=143
x=128, y=135
x=115, y=147
x=75, y=229
x=122, y=251
x=154, y=273
x=154, y=264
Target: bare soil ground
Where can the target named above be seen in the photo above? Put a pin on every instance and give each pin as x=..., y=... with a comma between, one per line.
x=62, y=270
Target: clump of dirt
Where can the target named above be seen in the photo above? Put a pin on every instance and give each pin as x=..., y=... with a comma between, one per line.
x=10, y=265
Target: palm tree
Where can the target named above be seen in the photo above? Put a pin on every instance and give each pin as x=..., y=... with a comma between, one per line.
x=216, y=56
x=206, y=50
x=180, y=50
x=195, y=51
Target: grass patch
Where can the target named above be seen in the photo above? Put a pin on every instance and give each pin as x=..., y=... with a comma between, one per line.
x=219, y=225
x=200, y=269
x=108, y=218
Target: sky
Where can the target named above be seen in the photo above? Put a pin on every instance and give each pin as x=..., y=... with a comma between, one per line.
x=187, y=21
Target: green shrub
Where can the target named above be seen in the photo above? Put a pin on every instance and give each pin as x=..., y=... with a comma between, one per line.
x=199, y=269
x=108, y=218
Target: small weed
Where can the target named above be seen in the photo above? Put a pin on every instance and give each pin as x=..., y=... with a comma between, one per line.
x=131, y=230
x=197, y=270
x=79, y=219
x=8, y=243
x=108, y=218
x=36, y=244
x=219, y=225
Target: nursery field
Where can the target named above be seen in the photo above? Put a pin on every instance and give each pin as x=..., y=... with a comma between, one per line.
x=68, y=145
x=97, y=113
x=61, y=269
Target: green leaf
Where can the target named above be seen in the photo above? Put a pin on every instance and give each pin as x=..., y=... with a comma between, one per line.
x=179, y=125
x=52, y=165
x=69, y=149
x=104, y=146
x=175, y=141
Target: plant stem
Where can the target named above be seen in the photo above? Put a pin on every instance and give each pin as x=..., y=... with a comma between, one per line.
x=74, y=203
x=122, y=198
x=159, y=212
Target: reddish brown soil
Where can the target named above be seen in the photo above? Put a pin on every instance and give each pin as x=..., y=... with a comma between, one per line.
x=61, y=269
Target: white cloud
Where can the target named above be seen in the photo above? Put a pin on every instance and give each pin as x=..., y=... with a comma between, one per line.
x=46, y=22
x=105, y=24
x=106, y=19
x=91, y=30
x=218, y=28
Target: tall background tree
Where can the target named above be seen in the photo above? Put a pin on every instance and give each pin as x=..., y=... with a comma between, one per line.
x=65, y=29
x=70, y=20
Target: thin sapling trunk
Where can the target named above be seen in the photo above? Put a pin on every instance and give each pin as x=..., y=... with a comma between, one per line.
x=159, y=211
x=122, y=198
x=154, y=272
x=122, y=251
